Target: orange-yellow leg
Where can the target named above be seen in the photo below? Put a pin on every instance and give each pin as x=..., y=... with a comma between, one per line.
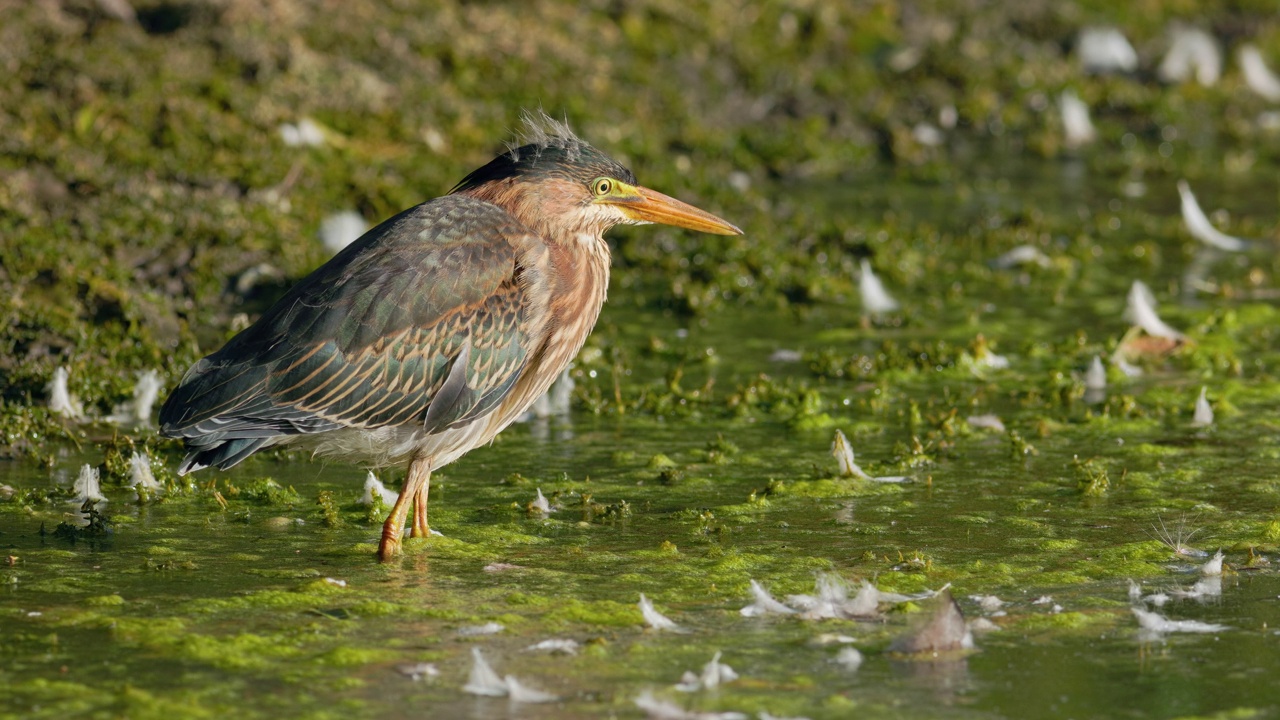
x=420, y=527
x=417, y=482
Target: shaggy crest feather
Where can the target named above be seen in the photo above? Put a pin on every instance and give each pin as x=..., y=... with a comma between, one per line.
x=539, y=131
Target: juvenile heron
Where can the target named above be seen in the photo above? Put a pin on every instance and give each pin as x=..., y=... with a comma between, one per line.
x=435, y=330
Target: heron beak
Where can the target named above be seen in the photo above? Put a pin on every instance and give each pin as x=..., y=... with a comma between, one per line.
x=651, y=206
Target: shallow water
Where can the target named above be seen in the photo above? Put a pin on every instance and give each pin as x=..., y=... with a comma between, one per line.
x=198, y=606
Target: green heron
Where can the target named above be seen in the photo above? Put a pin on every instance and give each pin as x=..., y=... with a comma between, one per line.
x=435, y=330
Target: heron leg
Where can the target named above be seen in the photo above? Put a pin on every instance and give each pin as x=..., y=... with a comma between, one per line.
x=419, y=477
x=420, y=527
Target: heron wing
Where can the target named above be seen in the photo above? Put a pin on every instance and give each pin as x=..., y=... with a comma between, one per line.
x=429, y=318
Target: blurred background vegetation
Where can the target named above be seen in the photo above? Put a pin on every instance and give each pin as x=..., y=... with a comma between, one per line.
x=149, y=205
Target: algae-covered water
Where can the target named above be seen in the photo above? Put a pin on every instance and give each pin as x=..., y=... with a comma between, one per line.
x=150, y=206
x=264, y=598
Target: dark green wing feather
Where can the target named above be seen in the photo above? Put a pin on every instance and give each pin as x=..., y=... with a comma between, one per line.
x=426, y=319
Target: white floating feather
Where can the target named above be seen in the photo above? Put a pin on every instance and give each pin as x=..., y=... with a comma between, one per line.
x=1076, y=125
x=521, y=693
x=1026, y=254
x=140, y=474
x=541, y=504
x=483, y=680
x=986, y=422
x=489, y=628
x=1213, y=568
x=1135, y=591
x=1095, y=378
x=341, y=229
x=137, y=412
x=1257, y=75
x=1204, y=411
x=1192, y=51
x=850, y=658
x=875, y=299
x=1141, y=311
x=61, y=401
x=762, y=603
x=843, y=453
x=568, y=647
x=373, y=487
x=417, y=671
x=1206, y=588
x=307, y=133
x=655, y=619
x=1105, y=49
x=988, y=603
x=1199, y=226
x=666, y=710
x=87, y=487
x=713, y=674
x=865, y=603
x=1157, y=623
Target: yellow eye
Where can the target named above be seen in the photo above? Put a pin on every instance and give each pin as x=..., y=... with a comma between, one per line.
x=602, y=186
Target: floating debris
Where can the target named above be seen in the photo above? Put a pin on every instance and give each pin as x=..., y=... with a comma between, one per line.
x=485, y=682
x=61, y=401
x=1199, y=226
x=1135, y=591
x=1203, y=416
x=850, y=658
x=875, y=299
x=1257, y=75
x=655, y=619
x=831, y=599
x=1192, y=51
x=501, y=567
x=417, y=671
x=984, y=625
x=1076, y=125
x=1141, y=311
x=373, y=488
x=540, y=504
x=834, y=639
x=1105, y=50
x=1176, y=539
x=564, y=647
x=1213, y=568
x=1156, y=623
x=1022, y=255
x=713, y=673
x=667, y=710
x=989, y=604
x=489, y=628
x=1095, y=378
x=986, y=422
x=87, y=487
x=843, y=453
x=307, y=133
x=928, y=135
x=341, y=229
x=944, y=632
x=140, y=474
x=762, y=603
x=137, y=412
x=786, y=356
x=1206, y=588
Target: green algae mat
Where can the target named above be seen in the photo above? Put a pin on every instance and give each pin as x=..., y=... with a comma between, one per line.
x=1012, y=435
